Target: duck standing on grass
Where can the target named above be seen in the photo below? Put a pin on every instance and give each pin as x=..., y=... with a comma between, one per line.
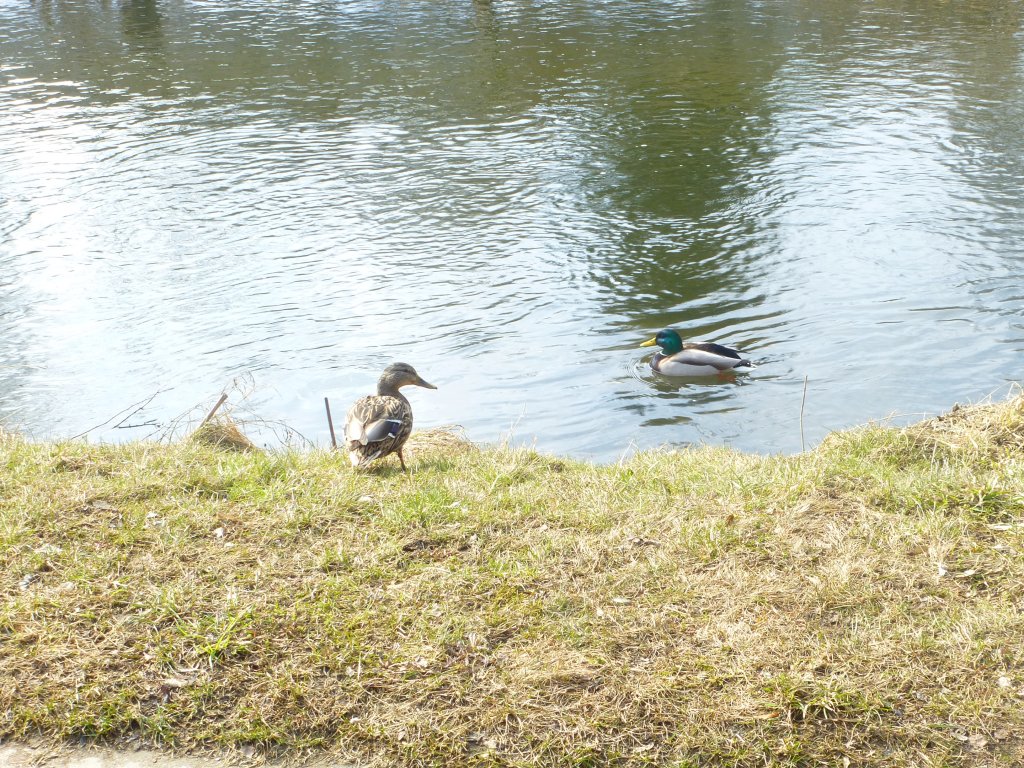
x=378, y=425
x=693, y=358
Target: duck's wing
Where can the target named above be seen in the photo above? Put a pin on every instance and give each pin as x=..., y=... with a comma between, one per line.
x=376, y=419
x=707, y=353
x=712, y=349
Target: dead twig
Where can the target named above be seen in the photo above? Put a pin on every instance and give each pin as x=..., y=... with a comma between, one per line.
x=803, y=399
x=213, y=410
x=128, y=412
x=330, y=423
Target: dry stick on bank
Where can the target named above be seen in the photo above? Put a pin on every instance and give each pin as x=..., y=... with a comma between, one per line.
x=130, y=411
x=803, y=399
x=220, y=402
x=330, y=424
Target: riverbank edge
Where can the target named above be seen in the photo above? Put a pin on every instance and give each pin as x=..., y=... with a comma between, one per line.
x=700, y=607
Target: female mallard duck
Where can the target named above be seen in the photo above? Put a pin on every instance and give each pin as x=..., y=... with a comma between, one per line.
x=378, y=425
x=700, y=358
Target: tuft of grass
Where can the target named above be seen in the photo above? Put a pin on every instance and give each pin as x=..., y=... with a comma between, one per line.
x=223, y=432
x=498, y=607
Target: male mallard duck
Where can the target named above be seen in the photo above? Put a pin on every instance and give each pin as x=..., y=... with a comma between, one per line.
x=380, y=424
x=694, y=358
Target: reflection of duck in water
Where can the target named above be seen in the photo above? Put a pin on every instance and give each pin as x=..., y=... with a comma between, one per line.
x=380, y=424
x=693, y=358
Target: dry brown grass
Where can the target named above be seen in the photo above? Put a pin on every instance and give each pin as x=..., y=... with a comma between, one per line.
x=223, y=432
x=861, y=602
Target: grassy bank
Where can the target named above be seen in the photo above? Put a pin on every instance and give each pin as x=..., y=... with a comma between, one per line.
x=861, y=604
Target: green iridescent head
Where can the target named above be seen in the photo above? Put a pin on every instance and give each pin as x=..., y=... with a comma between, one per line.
x=669, y=341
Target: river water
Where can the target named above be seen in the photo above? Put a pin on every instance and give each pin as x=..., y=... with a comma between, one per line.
x=511, y=196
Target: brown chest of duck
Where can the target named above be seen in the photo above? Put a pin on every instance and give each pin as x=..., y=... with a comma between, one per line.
x=378, y=425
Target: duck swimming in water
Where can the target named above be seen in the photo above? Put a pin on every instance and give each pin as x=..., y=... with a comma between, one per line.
x=692, y=358
x=378, y=425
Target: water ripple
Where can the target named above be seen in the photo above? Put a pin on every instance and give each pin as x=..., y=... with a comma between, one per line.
x=511, y=197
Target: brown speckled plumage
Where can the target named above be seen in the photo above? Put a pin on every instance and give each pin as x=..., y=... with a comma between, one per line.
x=378, y=425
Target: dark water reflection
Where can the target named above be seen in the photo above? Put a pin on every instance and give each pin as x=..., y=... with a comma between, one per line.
x=511, y=197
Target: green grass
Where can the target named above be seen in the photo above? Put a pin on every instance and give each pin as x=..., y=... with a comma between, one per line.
x=861, y=602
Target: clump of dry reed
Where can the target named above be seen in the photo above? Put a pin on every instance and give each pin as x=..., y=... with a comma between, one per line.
x=223, y=432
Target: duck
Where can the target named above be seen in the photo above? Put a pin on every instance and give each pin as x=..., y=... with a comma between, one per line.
x=692, y=358
x=378, y=425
